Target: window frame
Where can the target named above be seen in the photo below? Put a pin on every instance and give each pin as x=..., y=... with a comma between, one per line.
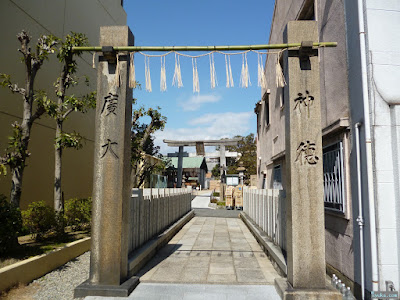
x=334, y=188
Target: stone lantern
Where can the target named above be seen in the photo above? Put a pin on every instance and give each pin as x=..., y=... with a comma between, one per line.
x=241, y=170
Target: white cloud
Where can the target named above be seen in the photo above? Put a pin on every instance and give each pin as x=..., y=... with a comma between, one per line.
x=207, y=127
x=196, y=101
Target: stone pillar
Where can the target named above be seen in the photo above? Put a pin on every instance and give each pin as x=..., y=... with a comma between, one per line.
x=305, y=190
x=180, y=167
x=222, y=158
x=112, y=167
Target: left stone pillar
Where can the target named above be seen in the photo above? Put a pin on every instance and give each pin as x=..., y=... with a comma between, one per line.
x=180, y=167
x=112, y=169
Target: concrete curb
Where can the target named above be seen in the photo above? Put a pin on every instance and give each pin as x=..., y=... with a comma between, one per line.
x=32, y=268
x=274, y=252
x=141, y=256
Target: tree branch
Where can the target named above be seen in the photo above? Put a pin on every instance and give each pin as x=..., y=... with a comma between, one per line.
x=40, y=110
x=15, y=89
x=67, y=113
x=146, y=134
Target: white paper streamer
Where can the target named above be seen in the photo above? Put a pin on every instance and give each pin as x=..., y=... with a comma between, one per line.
x=228, y=70
x=147, y=73
x=213, y=74
x=196, y=84
x=262, y=81
x=244, y=76
x=163, y=77
x=94, y=60
x=177, y=80
x=280, y=78
x=132, y=74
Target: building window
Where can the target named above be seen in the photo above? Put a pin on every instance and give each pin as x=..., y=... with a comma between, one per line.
x=264, y=182
x=277, y=178
x=334, y=197
x=257, y=111
x=266, y=108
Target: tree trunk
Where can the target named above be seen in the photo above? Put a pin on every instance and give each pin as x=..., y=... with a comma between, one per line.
x=26, y=125
x=134, y=176
x=16, y=186
x=58, y=203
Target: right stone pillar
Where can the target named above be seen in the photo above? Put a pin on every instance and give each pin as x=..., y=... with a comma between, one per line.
x=305, y=195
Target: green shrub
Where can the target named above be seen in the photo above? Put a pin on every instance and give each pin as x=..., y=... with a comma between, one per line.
x=39, y=219
x=213, y=200
x=216, y=194
x=10, y=225
x=78, y=213
x=221, y=203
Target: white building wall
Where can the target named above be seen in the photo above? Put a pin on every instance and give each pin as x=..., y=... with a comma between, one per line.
x=383, y=45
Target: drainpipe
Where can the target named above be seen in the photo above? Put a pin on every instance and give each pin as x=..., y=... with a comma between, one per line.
x=360, y=219
x=368, y=147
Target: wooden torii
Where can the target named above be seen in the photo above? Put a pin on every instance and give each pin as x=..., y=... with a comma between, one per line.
x=200, y=144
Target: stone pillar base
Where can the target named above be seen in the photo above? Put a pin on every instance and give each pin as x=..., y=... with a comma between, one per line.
x=88, y=289
x=287, y=292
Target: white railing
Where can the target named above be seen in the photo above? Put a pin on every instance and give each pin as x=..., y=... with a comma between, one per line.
x=267, y=209
x=151, y=211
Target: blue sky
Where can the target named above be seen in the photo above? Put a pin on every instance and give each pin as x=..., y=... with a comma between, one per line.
x=212, y=113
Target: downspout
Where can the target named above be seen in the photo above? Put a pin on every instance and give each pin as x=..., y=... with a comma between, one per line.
x=360, y=219
x=368, y=147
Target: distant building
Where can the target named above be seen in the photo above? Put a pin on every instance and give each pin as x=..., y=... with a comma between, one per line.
x=194, y=170
x=213, y=158
x=58, y=18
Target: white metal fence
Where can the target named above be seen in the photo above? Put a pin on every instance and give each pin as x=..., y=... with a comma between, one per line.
x=267, y=209
x=151, y=211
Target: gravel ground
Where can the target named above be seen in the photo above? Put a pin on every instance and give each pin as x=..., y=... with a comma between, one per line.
x=60, y=283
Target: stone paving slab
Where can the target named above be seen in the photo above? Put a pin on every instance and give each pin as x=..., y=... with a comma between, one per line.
x=211, y=250
x=160, y=291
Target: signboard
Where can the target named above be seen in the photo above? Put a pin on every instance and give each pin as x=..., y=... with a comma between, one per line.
x=232, y=180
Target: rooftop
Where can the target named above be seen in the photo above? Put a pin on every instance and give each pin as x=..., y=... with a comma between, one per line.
x=188, y=162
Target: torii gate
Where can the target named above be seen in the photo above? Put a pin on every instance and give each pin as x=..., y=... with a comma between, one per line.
x=111, y=182
x=200, y=144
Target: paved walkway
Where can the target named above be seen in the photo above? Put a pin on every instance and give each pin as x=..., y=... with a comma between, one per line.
x=200, y=205
x=211, y=250
x=210, y=258
x=162, y=291
x=201, y=200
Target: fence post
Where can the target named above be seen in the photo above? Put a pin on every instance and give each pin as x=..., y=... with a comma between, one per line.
x=244, y=206
x=256, y=206
x=265, y=212
x=137, y=194
x=269, y=195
